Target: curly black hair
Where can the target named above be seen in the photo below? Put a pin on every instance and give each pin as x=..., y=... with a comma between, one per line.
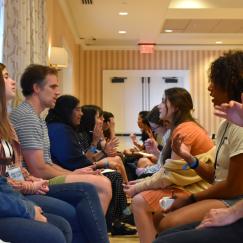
x=226, y=73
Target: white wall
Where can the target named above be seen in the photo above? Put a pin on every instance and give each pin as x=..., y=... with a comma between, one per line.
x=124, y=100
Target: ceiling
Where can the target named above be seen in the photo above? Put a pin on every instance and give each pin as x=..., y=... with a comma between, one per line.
x=193, y=22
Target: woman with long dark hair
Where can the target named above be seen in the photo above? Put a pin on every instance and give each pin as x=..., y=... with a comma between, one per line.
x=176, y=107
x=145, y=129
x=108, y=125
x=154, y=144
x=94, y=143
x=67, y=150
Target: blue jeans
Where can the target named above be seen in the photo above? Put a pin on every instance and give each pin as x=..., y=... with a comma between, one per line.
x=22, y=230
x=79, y=204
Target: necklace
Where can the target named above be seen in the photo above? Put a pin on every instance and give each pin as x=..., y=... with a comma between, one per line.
x=223, y=138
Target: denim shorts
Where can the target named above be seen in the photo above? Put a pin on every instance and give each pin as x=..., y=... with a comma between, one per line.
x=230, y=202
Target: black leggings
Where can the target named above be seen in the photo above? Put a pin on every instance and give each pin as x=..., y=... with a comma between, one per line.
x=232, y=233
x=119, y=199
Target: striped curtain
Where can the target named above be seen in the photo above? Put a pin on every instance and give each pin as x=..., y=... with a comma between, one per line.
x=1, y=29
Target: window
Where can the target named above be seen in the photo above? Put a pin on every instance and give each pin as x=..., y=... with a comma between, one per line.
x=1, y=28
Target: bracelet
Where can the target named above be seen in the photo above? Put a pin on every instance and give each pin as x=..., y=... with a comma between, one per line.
x=106, y=164
x=192, y=198
x=192, y=165
x=92, y=149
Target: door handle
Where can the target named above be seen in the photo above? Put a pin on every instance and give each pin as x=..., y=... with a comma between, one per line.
x=148, y=93
x=142, y=93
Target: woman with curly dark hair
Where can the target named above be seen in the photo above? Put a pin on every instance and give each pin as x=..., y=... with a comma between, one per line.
x=226, y=83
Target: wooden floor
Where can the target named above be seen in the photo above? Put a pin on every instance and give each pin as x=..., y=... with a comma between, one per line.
x=124, y=239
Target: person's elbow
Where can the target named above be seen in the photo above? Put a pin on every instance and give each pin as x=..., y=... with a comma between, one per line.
x=39, y=170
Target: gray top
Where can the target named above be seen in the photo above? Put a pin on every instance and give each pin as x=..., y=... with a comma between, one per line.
x=31, y=130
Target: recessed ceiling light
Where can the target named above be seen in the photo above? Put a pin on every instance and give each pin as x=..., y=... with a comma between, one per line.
x=123, y=13
x=168, y=31
x=219, y=42
x=122, y=32
x=190, y=4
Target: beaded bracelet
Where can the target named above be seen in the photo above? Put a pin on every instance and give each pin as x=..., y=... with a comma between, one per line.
x=92, y=149
x=192, y=165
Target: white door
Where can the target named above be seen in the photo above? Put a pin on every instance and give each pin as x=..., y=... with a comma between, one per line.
x=124, y=100
x=140, y=90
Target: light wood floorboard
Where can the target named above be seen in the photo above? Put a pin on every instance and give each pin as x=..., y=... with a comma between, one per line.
x=124, y=239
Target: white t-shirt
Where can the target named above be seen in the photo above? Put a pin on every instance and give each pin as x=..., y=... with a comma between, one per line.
x=230, y=136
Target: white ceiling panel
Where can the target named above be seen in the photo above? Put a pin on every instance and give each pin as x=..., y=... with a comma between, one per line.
x=96, y=25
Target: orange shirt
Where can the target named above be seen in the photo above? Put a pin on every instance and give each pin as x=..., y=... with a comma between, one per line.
x=194, y=136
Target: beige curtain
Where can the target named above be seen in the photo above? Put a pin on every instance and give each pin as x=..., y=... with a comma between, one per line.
x=1, y=29
x=25, y=36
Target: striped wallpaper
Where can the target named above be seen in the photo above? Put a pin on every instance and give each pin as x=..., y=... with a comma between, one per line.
x=93, y=62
